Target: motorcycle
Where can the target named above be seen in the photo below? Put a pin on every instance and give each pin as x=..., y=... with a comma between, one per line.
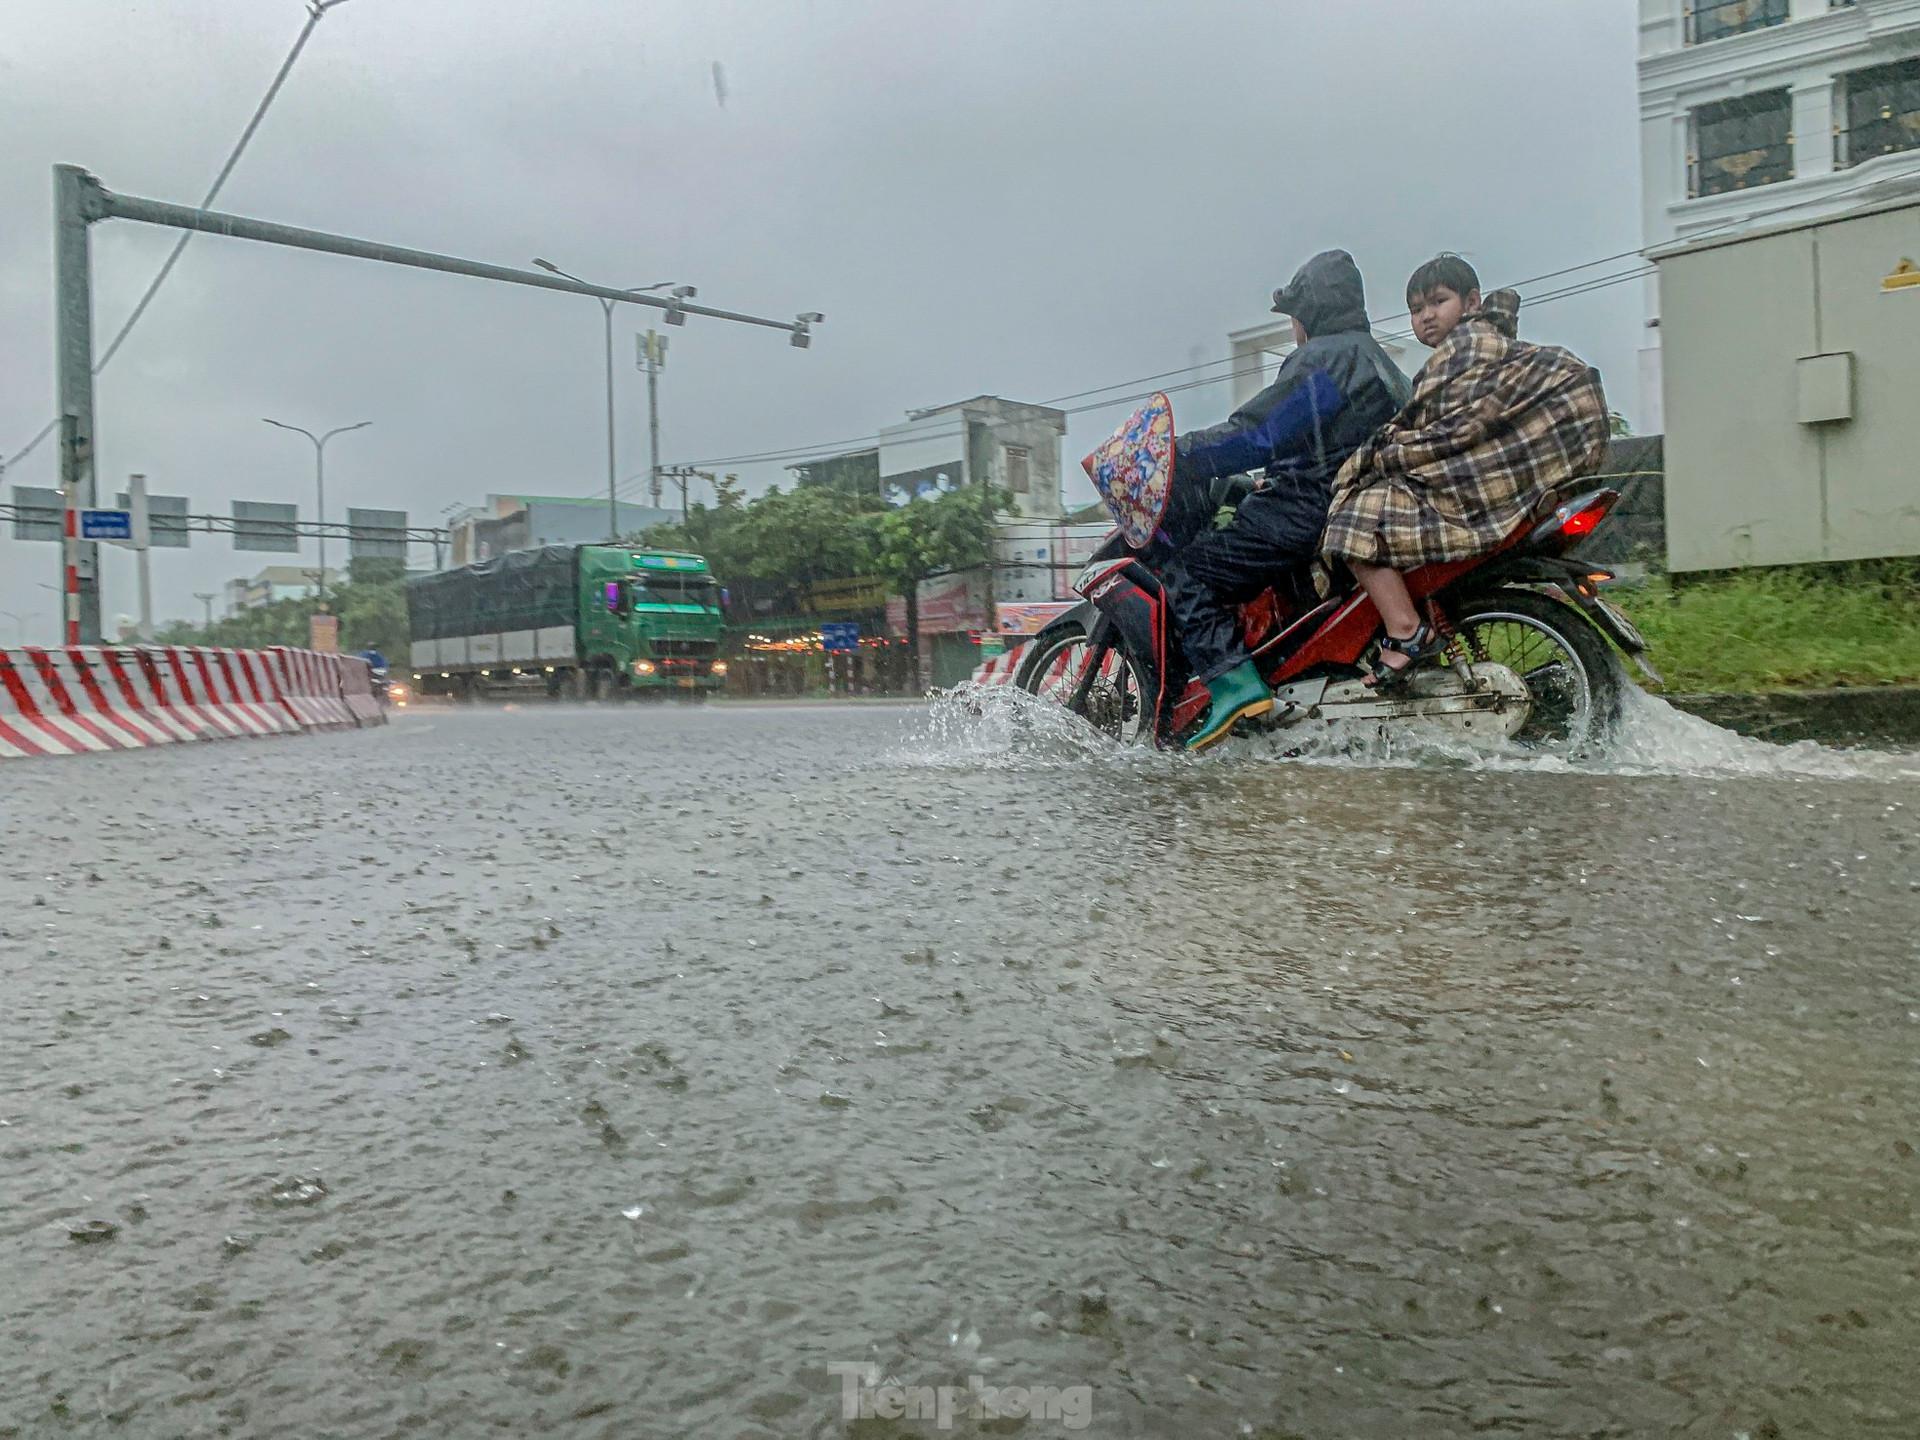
x=1527, y=661
x=380, y=679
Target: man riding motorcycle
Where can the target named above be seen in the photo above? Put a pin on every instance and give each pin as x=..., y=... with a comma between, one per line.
x=1333, y=391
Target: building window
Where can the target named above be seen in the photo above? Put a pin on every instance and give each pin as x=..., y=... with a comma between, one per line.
x=1708, y=20
x=1017, y=469
x=1740, y=143
x=1881, y=113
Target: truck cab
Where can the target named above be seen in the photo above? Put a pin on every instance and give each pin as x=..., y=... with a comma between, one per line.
x=651, y=617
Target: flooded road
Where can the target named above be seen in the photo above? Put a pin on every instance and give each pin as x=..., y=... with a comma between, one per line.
x=617, y=1072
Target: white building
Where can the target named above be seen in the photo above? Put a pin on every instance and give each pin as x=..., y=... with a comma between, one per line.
x=1761, y=112
x=1003, y=442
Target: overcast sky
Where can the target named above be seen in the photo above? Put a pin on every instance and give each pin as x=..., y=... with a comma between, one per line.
x=1022, y=197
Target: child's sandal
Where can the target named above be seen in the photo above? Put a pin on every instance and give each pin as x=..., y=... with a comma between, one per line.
x=1423, y=644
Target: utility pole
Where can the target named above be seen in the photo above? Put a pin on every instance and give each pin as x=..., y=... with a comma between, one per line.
x=320, y=489
x=206, y=598
x=681, y=292
x=990, y=606
x=681, y=474
x=652, y=358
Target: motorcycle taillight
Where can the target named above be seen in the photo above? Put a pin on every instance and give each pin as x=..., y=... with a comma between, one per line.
x=1584, y=522
x=1572, y=522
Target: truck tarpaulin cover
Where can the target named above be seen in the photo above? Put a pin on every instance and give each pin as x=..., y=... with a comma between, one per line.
x=521, y=590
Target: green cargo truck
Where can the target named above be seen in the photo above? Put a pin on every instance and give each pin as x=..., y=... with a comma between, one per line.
x=581, y=620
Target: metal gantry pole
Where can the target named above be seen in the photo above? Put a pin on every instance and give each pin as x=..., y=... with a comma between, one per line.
x=74, y=196
x=80, y=199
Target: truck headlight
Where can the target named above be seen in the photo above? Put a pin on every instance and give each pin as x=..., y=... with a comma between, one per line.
x=643, y=667
x=719, y=667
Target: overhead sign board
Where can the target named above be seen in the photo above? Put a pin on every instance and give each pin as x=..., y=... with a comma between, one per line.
x=376, y=534
x=166, y=519
x=260, y=526
x=37, y=513
x=106, y=525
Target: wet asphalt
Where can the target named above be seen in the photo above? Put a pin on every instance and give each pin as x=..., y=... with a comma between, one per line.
x=616, y=1071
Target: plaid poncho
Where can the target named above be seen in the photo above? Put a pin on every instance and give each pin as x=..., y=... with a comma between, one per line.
x=1495, y=426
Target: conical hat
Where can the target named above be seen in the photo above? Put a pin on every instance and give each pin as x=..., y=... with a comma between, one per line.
x=1133, y=470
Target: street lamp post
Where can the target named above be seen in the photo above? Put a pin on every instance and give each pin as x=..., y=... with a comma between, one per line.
x=606, y=306
x=206, y=598
x=320, y=486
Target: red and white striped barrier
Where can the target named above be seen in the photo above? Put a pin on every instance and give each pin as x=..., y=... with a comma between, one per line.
x=220, y=685
x=356, y=688
x=310, y=684
x=79, y=698
x=1000, y=669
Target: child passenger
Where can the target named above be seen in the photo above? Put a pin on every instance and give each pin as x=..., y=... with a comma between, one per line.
x=1494, y=427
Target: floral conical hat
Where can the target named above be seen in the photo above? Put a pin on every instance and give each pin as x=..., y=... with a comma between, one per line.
x=1133, y=470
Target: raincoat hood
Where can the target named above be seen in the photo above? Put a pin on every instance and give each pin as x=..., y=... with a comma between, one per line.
x=1326, y=295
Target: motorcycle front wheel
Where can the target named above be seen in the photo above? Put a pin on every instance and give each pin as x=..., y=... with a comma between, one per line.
x=1114, y=705
x=1566, y=664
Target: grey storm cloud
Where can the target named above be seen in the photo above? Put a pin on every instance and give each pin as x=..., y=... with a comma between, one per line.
x=982, y=196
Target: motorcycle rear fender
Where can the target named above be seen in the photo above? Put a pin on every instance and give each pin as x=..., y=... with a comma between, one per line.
x=1571, y=581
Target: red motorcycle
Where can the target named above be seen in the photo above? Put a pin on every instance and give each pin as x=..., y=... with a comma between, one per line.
x=1527, y=659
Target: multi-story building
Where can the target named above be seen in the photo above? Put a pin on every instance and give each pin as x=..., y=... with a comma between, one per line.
x=1759, y=112
x=277, y=582
x=1003, y=442
x=526, y=522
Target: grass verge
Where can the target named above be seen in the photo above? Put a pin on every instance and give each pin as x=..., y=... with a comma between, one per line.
x=1805, y=628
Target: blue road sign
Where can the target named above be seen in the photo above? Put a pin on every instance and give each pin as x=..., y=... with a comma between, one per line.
x=106, y=524
x=841, y=635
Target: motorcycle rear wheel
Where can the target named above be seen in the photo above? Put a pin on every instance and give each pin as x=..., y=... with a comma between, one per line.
x=1115, y=704
x=1565, y=663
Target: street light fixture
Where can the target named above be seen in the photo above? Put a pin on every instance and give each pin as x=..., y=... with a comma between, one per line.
x=682, y=292
x=320, y=486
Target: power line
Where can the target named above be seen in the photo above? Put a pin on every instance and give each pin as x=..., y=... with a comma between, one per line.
x=840, y=446
x=1584, y=287
x=315, y=9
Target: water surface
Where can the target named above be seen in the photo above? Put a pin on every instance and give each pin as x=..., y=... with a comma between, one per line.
x=612, y=1072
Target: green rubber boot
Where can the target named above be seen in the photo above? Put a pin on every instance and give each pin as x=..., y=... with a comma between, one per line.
x=1237, y=694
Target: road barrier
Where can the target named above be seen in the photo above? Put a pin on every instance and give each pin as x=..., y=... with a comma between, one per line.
x=314, y=688
x=356, y=688
x=1000, y=669
x=79, y=698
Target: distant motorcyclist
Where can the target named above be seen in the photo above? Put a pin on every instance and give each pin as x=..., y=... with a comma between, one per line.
x=377, y=672
x=1333, y=391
